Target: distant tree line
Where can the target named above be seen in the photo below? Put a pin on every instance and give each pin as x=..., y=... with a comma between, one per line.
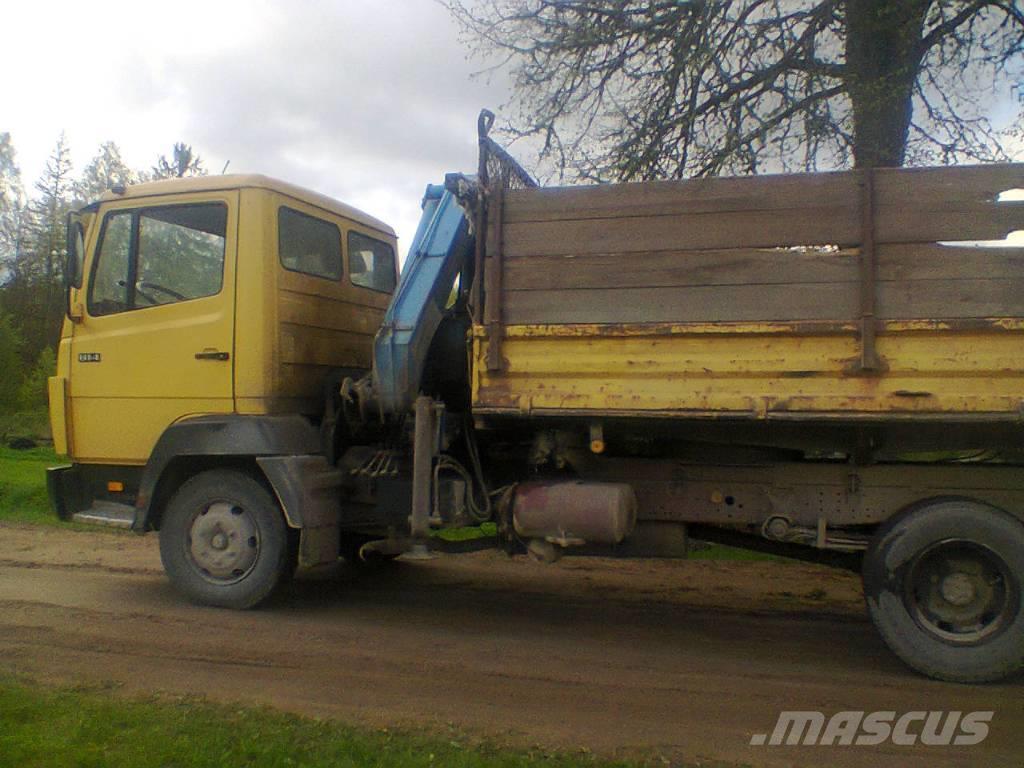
x=32, y=254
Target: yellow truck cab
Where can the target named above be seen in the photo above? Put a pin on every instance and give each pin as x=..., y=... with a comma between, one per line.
x=207, y=316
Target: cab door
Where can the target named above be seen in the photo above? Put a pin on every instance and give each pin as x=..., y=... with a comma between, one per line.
x=156, y=339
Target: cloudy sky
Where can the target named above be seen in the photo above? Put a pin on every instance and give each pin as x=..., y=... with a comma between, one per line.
x=365, y=101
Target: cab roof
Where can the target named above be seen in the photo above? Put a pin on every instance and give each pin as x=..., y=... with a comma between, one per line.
x=243, y=181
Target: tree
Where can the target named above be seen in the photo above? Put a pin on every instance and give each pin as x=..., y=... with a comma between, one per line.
x=641, y=89
x=48, y=235
x=12, y=204
x=10, y=382
x=15, y=259
x=104, y=171
x=33, y=393
x=183, y=163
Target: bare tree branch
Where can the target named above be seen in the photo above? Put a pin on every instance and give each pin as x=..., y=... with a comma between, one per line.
x=627, y=89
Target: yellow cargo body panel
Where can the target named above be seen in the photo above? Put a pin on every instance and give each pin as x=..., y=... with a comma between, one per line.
x=752, y=371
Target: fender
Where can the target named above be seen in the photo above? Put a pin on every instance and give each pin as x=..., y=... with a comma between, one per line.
x=231, y=436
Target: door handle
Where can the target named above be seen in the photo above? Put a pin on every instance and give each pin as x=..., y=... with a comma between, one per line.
x=212, y=355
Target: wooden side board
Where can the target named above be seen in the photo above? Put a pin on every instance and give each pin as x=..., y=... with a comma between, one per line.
x=771, y=248
x=909, y=188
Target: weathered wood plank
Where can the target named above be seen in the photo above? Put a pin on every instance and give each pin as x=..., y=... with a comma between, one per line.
x=907, y=261
x=725, y=303
x=897, y=300
x=927, y=186
x=679, y=268
x=952, y=221
x=673, y=198
x=896, y=187
x=951, y=299
x=932, y=261
x=756, y=229
x=761, y=229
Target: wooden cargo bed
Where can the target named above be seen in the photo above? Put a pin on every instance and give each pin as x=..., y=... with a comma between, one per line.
x=845, y=295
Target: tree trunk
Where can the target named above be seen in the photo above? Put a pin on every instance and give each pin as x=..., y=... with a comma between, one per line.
x=883, y=54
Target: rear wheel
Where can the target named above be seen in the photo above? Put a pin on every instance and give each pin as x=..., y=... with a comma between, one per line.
x=943, y=586
x=223, y=540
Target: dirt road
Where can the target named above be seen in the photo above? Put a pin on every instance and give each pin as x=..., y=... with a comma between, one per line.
x=685, y=660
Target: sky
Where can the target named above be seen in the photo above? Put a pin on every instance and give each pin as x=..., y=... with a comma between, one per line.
x=367, y=102
x=364, y=101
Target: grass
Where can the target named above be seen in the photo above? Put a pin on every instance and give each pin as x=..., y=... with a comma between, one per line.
x=468, y=533
x=95, y=727
x=23, y=485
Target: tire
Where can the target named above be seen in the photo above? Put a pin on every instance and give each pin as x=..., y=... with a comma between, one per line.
x=224, y=541
x=942, y=582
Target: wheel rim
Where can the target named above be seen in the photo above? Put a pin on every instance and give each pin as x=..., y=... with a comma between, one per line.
x=223, y=543
x=961, y=592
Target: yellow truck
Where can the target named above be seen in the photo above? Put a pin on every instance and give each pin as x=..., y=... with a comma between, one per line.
x=825, y=366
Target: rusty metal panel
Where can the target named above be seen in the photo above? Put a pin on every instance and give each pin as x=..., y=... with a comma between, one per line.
x=868, y=361
x=754, y=371
x=494, y=272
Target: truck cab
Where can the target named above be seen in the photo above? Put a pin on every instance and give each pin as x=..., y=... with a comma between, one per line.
x=230, y=299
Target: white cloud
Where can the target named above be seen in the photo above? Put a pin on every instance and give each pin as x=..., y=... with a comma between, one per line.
x=361, y=100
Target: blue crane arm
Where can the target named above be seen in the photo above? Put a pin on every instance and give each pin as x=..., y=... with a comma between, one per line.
x=439, y=250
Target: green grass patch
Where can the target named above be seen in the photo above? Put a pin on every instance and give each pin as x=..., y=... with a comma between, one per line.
x=41, y=727
x=23, y=485
x=484, y=530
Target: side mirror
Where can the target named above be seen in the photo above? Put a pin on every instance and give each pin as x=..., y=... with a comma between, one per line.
x=73, y=267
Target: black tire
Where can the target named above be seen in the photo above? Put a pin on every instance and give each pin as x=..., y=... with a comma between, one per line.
x=224, y=541
x=942, y=583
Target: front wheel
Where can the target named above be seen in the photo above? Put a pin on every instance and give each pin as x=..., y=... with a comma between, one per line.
x=223, y=540
x=943, y=586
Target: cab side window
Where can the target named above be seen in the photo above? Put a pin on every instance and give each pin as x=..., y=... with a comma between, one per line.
x=371, y=263
x=309, y=245
x=154, y=256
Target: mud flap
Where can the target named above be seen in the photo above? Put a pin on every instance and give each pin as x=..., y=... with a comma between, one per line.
x=308, y=490
x=63, y=487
